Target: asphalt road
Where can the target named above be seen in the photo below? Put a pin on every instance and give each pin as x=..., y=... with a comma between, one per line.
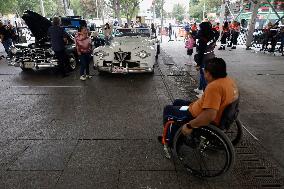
x=64, y=133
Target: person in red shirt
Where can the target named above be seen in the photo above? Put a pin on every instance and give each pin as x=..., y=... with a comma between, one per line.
x=84, y=48
x=236, y=29
x=224, y=35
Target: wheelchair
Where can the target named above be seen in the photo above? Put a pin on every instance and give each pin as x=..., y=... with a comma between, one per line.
x=208, y=151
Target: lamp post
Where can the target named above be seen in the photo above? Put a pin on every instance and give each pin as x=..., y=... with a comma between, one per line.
x=162, y=21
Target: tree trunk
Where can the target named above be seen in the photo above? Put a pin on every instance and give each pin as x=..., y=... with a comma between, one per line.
x=117, y=11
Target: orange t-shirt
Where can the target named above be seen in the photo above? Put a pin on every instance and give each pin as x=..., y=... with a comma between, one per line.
x=217, y=95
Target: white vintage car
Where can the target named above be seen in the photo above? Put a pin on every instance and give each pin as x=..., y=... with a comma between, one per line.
x=132, y=50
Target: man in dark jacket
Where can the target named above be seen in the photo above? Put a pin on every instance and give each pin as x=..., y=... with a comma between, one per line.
x=5, y=37
x=57, y=36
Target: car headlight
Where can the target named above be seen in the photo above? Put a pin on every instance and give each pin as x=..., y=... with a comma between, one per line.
x=101, y=54
x=13, y=50
x=143, y=54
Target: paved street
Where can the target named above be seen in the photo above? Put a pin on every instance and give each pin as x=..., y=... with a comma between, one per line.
x=64, y=133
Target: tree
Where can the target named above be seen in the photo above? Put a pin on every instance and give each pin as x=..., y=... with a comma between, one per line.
x=158, y=8
x=115, y=5
x=129, y=7
x=178, y=12
x=196, y=7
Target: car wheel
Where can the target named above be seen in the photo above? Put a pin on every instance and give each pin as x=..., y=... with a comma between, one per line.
x=72, y=62
x=101, y=72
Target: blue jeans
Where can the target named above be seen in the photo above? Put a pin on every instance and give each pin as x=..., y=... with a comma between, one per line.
x=174, y=111
x=7, y=44
x=202, y=81
x=84, y=63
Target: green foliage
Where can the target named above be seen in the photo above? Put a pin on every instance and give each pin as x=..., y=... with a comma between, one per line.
x=19, y=6
x=129, y=8
x=196, y=7
x=178, y=12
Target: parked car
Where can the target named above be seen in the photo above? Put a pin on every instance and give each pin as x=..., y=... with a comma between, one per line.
x=132, y=50
x=39, y=54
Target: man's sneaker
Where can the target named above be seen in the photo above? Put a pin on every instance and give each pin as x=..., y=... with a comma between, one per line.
x=234, y=47
x=199, y=95
x=82, y=78
x=89, y=76
x=198, y=91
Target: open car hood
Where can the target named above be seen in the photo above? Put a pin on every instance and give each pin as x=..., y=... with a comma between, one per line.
x=37, y=24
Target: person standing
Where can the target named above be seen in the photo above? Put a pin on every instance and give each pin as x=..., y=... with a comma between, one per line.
x=84, y=48
x=205, y=50
x=235, y=34
x=5, y=37
x=281, y=35
x=107, y=33
x=58, y=38
x=170, y=31
x=189, y=46
x=153, y=30
x=224, y=35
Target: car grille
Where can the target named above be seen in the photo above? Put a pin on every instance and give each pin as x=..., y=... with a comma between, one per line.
x=122, y=56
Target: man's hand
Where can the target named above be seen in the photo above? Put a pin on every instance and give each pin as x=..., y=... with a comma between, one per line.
x=186, y=131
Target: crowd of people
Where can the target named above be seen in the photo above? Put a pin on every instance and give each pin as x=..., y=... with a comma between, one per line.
x=273, y=33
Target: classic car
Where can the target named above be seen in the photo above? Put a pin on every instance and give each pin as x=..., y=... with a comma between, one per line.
x=39, y=54
x=132, y=50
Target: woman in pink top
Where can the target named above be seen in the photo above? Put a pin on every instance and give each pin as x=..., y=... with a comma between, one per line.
x=189, y=44
x=84, y=49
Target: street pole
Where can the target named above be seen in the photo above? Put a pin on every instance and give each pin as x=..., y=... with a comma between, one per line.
x=162, y=21
x=252, y=24
x=204, y=11
x=42, y=8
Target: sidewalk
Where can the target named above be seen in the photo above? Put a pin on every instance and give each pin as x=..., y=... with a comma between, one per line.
x=260, y=78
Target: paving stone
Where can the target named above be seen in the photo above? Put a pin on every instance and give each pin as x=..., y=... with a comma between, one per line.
x=29, y=179
x=45, y=155
x=88, y=179
x=148, y=180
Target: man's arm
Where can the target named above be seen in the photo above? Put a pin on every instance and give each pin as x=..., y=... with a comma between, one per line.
x=203, y=119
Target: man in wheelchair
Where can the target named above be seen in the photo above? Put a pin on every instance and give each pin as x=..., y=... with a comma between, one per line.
x=219, y=93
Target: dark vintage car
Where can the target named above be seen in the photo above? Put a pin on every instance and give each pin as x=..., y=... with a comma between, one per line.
x=39, y=54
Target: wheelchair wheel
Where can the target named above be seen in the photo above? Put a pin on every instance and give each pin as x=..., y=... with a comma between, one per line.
x=235, y=132
x=207, y=152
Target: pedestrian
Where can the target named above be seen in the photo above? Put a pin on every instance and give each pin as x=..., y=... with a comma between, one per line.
x=281, y=35
x=6, y=38
x=153, y=30
x=205, y=50
x=107, y=33
x=170, y=31
x=97, y=40
x=235, y=34
x=189, y=46
x=84, y=49
x=58, y=38
x=224, y=35
x=187, y=30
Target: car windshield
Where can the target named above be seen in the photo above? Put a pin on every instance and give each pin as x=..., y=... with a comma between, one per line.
x=143, y=32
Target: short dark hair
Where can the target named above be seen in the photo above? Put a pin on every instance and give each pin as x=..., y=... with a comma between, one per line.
x=216, y=67
x=56, y=21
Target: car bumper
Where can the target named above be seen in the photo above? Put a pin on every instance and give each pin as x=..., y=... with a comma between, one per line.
x=126, y=70
x=33, y=65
